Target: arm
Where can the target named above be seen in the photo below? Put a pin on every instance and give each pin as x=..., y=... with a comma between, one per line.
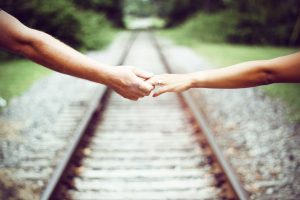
x=284, y=69
x=49, y=52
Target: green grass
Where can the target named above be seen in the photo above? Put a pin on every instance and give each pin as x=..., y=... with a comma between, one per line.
x=289, y=93
x=17, y=76
x=223, y=54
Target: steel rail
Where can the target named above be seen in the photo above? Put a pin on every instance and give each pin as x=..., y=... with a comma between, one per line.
x=94, y=106
x=230, y=174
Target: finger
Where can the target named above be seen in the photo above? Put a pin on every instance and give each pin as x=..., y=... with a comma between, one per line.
x=157, y=80
x=132, y=94
x=145, y=87
x=142, y=74
x=133, y=98
x=129, y=96
x=161, y=90
x=152, y=81
x=141, y=93
x=136, y=95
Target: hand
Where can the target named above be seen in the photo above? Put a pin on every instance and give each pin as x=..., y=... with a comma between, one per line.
x=170, y=83
x=130, y=83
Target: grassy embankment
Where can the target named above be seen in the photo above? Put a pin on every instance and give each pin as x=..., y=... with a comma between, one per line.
x=207, y=35
x=17, y=76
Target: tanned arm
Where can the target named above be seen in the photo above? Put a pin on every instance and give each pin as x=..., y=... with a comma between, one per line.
x=50, y=52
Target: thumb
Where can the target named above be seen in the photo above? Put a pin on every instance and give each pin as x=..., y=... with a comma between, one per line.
x=142, y=74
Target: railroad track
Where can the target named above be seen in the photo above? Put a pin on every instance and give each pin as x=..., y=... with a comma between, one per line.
x=152, y=149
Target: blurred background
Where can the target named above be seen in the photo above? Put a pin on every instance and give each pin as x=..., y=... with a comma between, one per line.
x=244, y=29
x=220, y=32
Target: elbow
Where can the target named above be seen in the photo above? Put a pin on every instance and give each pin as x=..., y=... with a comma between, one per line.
x=28, y=43
x=22, y=42
x=38, y=39
x=267, y=74
x=17, y=47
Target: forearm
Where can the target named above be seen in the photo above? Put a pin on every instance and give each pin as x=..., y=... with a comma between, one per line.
x=243, y=75
x=49, y=52
x=285, y=69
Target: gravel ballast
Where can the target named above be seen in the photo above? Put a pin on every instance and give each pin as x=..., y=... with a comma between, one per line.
x=253, y=130
x=36, y=127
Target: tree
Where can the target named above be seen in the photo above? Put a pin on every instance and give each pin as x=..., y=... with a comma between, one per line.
x=266, y=21
x=113, y=9
x=64, y=20
x=177, y=11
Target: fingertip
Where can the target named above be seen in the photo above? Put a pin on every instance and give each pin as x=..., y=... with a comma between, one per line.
x=156, y=94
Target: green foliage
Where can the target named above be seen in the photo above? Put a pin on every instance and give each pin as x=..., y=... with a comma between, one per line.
x=96, y=32
x=62, y=19
x=290, y=94
x=267, y=22
x=270, y=22
x=177, y=11
x=17, y=76
x=138, y=8
x=206, y=27
x=113, y=9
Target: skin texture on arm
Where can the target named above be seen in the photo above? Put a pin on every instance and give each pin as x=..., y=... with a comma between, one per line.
x=50, y=52
x=285, y=69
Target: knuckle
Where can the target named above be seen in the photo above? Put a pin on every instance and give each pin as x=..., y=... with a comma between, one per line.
x=130, y=84
x=136, y=85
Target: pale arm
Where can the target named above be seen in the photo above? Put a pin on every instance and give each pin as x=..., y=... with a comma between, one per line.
x=284, y=69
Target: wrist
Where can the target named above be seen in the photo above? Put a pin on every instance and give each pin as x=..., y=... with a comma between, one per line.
x=105, y=75
x=196, y=80
x=189, y=81
x=111, y=77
